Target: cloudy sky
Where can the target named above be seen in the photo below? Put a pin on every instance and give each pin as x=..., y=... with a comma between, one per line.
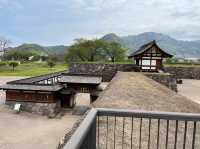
x=51, y=22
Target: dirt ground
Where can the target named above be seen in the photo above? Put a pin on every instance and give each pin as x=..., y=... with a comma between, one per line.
x=190, y=89
x=82, y=99
x=30, y=131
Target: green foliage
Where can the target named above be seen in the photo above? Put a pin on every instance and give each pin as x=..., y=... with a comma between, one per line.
x=95, y=50
x=2, y=63
x=114, y=51
x=20, y=55
x=51, y=63
x=171, y=60
x=25, y=52
x=54, y=58
x=36, y=58
x=84, y=50
x=13, y=64
x=36, y=49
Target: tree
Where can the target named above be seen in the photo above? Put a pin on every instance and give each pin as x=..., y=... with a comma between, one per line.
x=95, y=50
x=3, y=64
x=4, y=43
x=53, y=58
x=171, y=60
x=114, y=51
x=85, y=50
x=50, y=63
x=21, y=55
x=13, y=64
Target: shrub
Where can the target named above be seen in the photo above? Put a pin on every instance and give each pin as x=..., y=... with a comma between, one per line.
x=51, y=64
x=13, y=64
x=3, y=64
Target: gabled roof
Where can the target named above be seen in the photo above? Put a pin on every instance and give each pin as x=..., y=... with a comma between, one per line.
x=48, y=88
x=147, y=46
x=81, y=79
x=32, y=80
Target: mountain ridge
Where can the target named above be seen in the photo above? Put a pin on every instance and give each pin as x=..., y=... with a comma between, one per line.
x=43, y=50
x=179, y=48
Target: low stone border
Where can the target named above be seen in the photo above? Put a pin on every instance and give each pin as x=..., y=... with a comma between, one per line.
x=184, y=72
x=66, y=138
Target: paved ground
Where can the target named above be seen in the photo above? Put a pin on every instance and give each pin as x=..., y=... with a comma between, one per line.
x=190, y=89
x=29, y=131
x=82, y=99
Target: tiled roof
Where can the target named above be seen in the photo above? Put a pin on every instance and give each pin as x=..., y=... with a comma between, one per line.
x=146, y=47
x=32, y=80
x=81, y=79
x=50, y=88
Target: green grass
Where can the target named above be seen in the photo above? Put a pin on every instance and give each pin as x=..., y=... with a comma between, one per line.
x=31, y=69
x=35, y=69
x=103, y=62
x=182, y=65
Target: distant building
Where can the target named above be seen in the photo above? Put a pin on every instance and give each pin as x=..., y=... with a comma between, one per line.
x=149, y=57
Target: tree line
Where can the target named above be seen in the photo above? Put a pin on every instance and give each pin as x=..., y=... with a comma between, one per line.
x=82, y=50
x=95, y=50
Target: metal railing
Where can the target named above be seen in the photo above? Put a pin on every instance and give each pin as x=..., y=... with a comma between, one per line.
x=113, y=129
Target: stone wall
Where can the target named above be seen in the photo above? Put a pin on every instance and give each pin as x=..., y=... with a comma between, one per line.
x=166, y=79
x=184, y=72
x=49, y=109
x=107, y=71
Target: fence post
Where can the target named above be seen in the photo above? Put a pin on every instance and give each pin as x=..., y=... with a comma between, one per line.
x=93, y=134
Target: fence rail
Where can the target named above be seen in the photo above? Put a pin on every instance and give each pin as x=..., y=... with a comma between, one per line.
x=114, y=128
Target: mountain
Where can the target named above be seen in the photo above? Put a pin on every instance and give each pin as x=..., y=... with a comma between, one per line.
x=41, y=50
x=179, y=48
x=112, y=38
x=60, y=49
x=33, y=48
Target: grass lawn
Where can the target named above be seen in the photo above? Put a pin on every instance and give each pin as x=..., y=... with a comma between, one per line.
x=31, y=69
x=182, y=65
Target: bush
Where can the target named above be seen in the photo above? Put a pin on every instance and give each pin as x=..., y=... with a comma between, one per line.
x=51, y=64
x=13, y=64
x=3, y=64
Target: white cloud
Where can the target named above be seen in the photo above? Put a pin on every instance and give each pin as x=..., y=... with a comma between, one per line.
x=132, y=17
x=93, y=18
x=98, y=5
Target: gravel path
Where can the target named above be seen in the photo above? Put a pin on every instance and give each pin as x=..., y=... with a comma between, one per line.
x=190, y=89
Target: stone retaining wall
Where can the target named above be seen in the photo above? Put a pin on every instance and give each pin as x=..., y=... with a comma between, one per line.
x=107, y=71
x=166, y=79
x=49, y=109
x=184, y=72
